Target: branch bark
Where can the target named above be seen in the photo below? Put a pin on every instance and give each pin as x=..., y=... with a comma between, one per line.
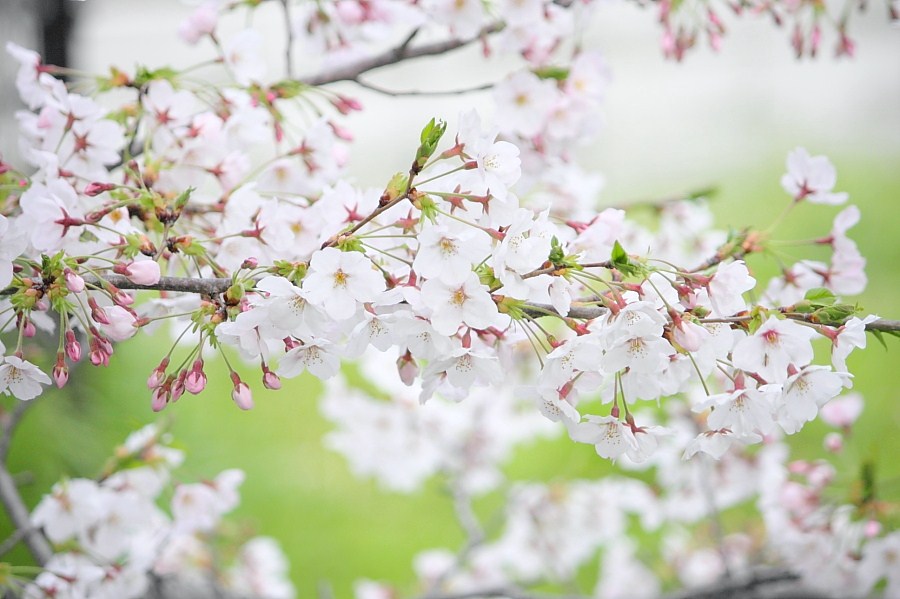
x=12, y=502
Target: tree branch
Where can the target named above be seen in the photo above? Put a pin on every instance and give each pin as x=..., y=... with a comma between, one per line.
x=394, y=55
x=34, y=539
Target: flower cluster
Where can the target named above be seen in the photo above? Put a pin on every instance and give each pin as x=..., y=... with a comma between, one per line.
x=483, y=261
x=113, y=536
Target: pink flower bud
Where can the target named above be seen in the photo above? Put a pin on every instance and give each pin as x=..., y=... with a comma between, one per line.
x=159, y=399
x=241, y=393
x=834, y=442
x=407, y=368
x=158, y=375
x=29, y=329
x=98, y=314
x=249, y=263
x=60, y=372
x=74, y=282
x=122, y=299
x=95, y=189
x=271, y=380
x=195, y=381
x=140, y=272
x=99, y=358
x=178, y=386
x=73, y=348
x=346, y=105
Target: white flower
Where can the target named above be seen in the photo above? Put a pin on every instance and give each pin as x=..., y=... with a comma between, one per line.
x=72, y=507
x=811, y=178
x=523, y=102
x=21, y=378
x=316, y=356
x=745, y=412
x=610, y=437
x=448, y=251
x=803, y=394
x=243, y=55
x=12, y=243
x=466, y=303
x=337, y=280
x=727, y=286
x=776, y=345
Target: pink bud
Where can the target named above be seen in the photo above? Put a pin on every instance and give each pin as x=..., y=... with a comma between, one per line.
x=241, y=393
x=73, y=348
x=98, y=314
x=158, y=375
x=60, y=372
x=140, y=272
x=249, y=263
x=99, y=358
x=159, y=398
x=29, y=329
x=834, y=442
x=195, y=381
x=408, y=369
x=346, y=105
x=271, y=380
x=120, y=298
x=340, y=132
x=74, y=282
x=95, y=189
x=242, y=396
x=178, y=386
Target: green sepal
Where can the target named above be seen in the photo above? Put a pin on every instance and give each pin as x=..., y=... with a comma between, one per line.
x=396, y=187
x=428, y=207
x=486, y=277
x=292, y=271
x=350, y=244
x=559, y=259
x=512, y=306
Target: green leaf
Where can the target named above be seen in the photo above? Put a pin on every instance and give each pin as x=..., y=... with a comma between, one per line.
x=429, y=138
x=556, y=73
x=621, y=262
x=880, y=337
x=556, y=252
x=145, y=75
x=835, y=315
x=820, y=296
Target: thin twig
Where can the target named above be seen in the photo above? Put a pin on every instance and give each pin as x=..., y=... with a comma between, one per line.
x=413, y=92
x=288, y=59
x=391, y=56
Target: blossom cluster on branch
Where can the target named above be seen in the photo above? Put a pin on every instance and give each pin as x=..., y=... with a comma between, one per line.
x=482, y=269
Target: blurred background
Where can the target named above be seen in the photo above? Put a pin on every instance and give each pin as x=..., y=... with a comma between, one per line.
x=725, y=119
